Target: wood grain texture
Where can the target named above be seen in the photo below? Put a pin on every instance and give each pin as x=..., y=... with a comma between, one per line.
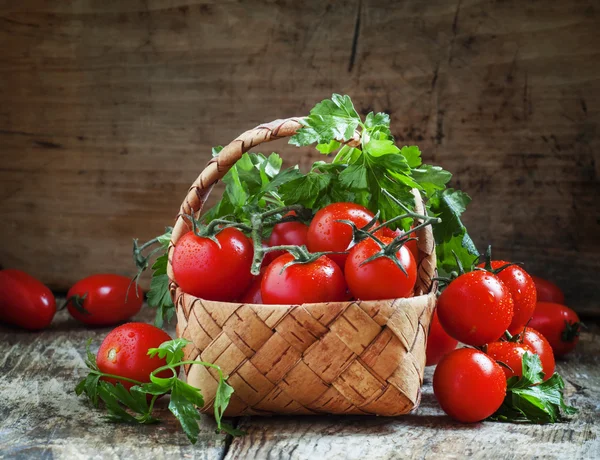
x=108, y=111
x=41, y=417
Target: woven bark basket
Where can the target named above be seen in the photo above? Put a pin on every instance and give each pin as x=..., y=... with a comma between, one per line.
x=358, y=357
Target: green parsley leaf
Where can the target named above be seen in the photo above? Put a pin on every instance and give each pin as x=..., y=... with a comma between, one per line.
x=431, y=178
x=159, y=296
x=305, y=190
x=328, y=148
x=331, y=119
x=185, y=410
x=529, y=399
x=412, y=155
x=451, y=235
x=172, y=350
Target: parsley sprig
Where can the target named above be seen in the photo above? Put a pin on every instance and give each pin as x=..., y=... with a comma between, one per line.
x=134, y=406
x=530, y=399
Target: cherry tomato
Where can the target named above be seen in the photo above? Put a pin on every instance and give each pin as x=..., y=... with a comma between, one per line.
x=540, y=346
x=325, y=234
x=124, y=352
x=511, y=354
x=475, y=308
x=205, y=270
x=411, y=245
x=469, y=385
x=104, y=300
x=439, y=343
x=380, y=278
x=558, y=324
x=24, y=301
x=548, y=291
x=522, y=290
x=252, y=295
x=318, y=281
x=286, y=233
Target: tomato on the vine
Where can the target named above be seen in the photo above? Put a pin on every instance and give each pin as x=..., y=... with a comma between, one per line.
x=320, y=280
x=522, y=291
x=439, y=343
x=475, y=308
x=511, y=355
x=547, y=291
x=325, y=234
x=286, y=233
x=540, y=346
x=213, y=271
x=558, y=324
x=25, y=301
x=380, y=278
x=469, y=385
x=411, y=245
x=105, y=299
x=124, y=352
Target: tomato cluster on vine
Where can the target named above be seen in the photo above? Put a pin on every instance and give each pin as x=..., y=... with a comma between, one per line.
x=494, y=310
x=340, y=253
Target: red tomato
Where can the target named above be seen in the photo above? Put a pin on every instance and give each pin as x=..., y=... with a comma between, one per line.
x=25, y=301
x=540, y=346
x=469, y=385
x=522, y=290
x=287, y=233
x=325, y=234
x=318, y=281
x=475, y=308
x=124, y=352
x=558, y=324
x=511, y=354
x=205, y=270
x=548, y=291
x=380, y=278
x=107, y=300
x=252, y=295
x=439, y=343
x=411, y=245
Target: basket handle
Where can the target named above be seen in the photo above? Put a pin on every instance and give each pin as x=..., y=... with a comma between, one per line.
x=218, y=166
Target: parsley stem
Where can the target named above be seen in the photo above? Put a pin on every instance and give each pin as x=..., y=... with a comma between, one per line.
x=116, y=377
x=182, y=363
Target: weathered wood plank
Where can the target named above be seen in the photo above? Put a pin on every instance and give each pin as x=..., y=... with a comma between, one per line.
x=108, y=111
x=429, y=433
x=41, y=417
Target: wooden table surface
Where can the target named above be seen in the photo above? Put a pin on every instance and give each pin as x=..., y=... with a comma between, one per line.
x=41, y=417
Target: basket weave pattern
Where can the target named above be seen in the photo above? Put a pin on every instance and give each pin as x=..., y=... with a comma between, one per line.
x=359, y=357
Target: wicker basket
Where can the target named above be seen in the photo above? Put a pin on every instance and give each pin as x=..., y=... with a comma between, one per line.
x=359, y=357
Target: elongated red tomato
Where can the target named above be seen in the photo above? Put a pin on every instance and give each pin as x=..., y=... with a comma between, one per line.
x=286, y=233
x=469, y=385
x=205, y=270
x=522, y=291
x=547, y=291
x=104, y=299
x=558, y=324
x=318, y=281
x=439, y=343
x=380, y=278
x=540, y=346
x=124, y=352
x=510, y=354
x=475, y=308
x=24, y=301
x=326, y=234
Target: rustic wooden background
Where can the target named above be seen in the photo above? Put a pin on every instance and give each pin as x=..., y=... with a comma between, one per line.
x=108, y=110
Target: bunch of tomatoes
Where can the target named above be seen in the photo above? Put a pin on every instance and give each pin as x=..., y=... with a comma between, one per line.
x=320, y=261
x=495, y=310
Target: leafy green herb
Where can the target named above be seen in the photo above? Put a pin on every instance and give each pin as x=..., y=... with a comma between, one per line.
x=132, y=406
x=531, y=400
x=451, y=235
